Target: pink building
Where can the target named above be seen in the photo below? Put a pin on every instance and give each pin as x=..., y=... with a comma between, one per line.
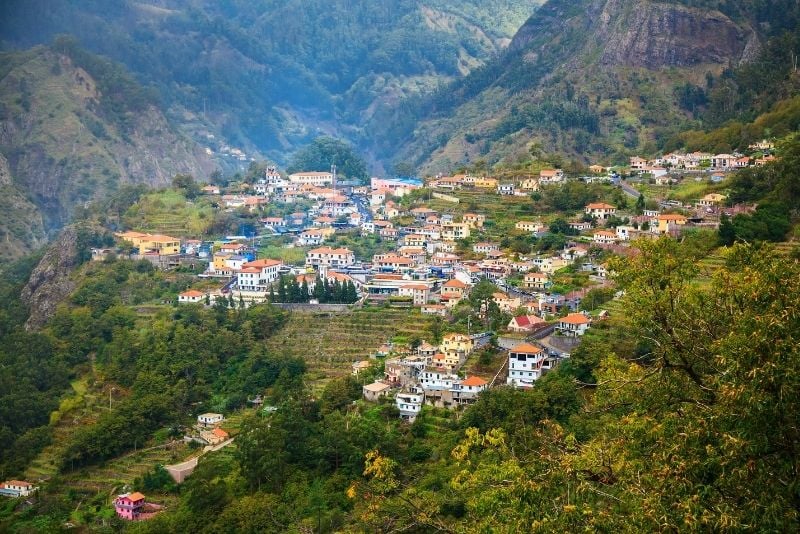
x=129, y=505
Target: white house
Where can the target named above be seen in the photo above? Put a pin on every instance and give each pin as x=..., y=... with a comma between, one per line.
x=525, y=365
x=600, y=210
x=330, y=257
x=17, y=488
x=191, y=296
x=258, y=275
x=210, y=419
x=409, y=403
x=505, y=189
x=573, y=325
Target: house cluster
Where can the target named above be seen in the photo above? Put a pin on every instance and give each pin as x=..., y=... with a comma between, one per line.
x=521, y=186
x=207, y=431
x=760, y=154
x=430, y=375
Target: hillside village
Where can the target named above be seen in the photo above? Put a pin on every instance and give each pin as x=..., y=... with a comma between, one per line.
x=434, y=244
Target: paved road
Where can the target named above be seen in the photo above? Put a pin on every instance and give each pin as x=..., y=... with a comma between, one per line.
x=627, y=188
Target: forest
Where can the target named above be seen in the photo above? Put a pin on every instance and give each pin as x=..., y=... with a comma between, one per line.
x=676, y=415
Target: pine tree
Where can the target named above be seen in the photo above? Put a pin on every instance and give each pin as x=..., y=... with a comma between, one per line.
x=640, y=204
x=282, y=290
x=272, y=293
x=319, y=290
x=304, y=291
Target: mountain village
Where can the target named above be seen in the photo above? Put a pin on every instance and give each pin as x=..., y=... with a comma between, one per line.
x=436, y=251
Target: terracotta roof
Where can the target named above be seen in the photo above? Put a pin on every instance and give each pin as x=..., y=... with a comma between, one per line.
x=527, y=320
x=527, y=348
x=376, y=387
x=329, y=250
x=136, y=496
x=671, y=217
x=455, y=283
x=575, y=318
x=599, y=206
x=474, y=381
x=192, y=293
x=219, y=433
x=260, y=264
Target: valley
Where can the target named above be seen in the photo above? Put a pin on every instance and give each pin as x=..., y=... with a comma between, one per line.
x=457, y=266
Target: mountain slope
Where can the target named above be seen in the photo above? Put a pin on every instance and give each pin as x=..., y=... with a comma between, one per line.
x=272, y=74
x=21, y=227
x=70, y=137
x=587, y=77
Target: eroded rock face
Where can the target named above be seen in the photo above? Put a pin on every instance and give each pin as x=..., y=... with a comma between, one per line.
x=655, y=35
x=638, y=33
x=50, y=282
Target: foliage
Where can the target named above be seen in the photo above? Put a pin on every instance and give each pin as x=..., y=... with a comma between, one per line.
x=326, y=151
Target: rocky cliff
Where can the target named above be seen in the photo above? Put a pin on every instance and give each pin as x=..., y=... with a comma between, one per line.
x=21, y=225
x=595, y=79
x=70, y=138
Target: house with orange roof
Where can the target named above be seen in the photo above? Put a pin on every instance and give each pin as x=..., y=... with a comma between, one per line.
x=573, y=325
x=191, y=296
x=454, y=290
x=604, y=237
x=526, y=364
x=600, y=210
x=257, y=277
x=163, y=245
x=466, y=391
x=670, y=221
x=129, y=506
x=551, y=176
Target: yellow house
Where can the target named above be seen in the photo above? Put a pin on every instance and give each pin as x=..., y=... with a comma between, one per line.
x=475, y=220
x=455, y=231
x=160, y=244
x=219, y=260
x=529, y=226
x=485, y=183
x=667, y=221
x=456, y=347
x=530, y=184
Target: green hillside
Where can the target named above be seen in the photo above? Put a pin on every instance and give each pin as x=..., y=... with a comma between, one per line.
x=603, y=80
x=298, y=67
x=76, y=128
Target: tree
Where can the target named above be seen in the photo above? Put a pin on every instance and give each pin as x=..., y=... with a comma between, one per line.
x=640, y=204
x=186, y=183
x=326, y=151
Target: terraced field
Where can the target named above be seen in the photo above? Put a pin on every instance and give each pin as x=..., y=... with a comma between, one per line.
x=331, y=342
x=77, y=409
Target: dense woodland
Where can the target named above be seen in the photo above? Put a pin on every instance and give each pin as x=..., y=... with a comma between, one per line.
x=677, y=415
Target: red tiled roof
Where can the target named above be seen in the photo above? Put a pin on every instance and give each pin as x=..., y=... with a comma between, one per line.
x=474, y=381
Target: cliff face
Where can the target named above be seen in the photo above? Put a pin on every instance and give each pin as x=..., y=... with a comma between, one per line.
x=587, y=77
x=21, y=226
x=50, y=282
x=639, y=33
x=65, y=146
